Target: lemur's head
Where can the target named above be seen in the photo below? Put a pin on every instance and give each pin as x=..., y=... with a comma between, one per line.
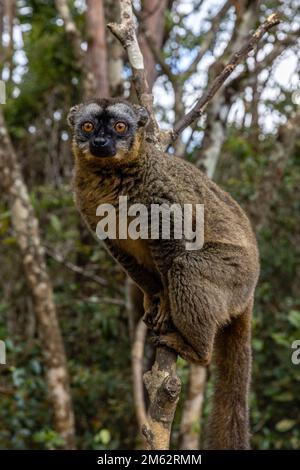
x=106, y=130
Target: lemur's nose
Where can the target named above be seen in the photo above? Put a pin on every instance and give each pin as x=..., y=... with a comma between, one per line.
x=100, y=141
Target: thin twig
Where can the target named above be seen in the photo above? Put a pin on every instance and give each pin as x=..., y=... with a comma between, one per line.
x=235, y=60
x=76, y=269
x=209, y=37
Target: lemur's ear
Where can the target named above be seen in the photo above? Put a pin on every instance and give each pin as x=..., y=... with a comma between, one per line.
x=142, y=114
x=72, y=113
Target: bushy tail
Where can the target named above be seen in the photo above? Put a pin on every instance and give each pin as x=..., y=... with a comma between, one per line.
x=229, y=421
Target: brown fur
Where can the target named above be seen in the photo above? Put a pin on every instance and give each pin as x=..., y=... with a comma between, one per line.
x=198, y=302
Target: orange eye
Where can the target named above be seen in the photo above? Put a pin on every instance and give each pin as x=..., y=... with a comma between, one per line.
x=120, y=127
x=88, y=126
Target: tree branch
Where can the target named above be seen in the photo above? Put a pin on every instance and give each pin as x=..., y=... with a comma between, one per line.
x=125, y=32
x=76, y=269
x=235, y=60
x=163, y=386
x=238, y=83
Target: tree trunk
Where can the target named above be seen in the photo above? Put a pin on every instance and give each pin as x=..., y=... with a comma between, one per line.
x=115, y=51
x=192, y=409
x=1, y=35
x=97, y=48
x=153, y=17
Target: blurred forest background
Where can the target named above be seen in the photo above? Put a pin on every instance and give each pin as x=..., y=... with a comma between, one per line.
x=67, y=313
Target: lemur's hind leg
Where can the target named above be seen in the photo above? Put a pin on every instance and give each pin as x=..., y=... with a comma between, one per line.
x=158, y=318
x=198, y=307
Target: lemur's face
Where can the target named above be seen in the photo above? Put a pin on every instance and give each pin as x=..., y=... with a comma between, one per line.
x=106, y=128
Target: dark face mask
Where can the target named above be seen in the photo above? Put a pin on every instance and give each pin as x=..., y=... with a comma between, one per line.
x=102, y=146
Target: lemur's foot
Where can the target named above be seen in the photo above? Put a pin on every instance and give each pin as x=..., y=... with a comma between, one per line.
x=175, y=341
x=151, y=310
x=157, y=317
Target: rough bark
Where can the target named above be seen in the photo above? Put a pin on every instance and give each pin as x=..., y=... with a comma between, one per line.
x=27, y=234
x=163, y=386
x=151, y=20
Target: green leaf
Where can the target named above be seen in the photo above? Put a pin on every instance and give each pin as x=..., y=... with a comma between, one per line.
x=285, y=425
x=281, y=339
x=103, y=437
x=55, y=222
x=287, y=396
x=258, y=344
x=294, y=318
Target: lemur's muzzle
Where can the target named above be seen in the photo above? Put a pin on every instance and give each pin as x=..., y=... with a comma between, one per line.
x=102, y=147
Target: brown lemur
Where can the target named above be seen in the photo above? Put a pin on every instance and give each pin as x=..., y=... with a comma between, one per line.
x=196, y=301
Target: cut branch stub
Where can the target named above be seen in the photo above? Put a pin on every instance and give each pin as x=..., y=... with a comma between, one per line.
x=163, y=386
